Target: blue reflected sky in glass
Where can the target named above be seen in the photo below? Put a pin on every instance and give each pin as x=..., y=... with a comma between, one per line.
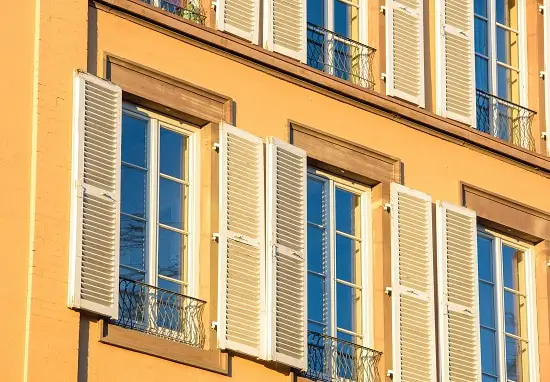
x=132, y=242
x=346, y=203
x=345, y=302
x=513, y=359
x=172, y=147
x=316, y=245
x=481, y=43
x=480, y=7
x=316, y=12
x=171, y=203
x=487, y=304
x=511, y=313
x=170, y=248
x=481, y=36
x=342, y=18
x=485, y=260
x=316, y=297
x=133, y=191
x=316, y=200
x=346, y=252
x=134, y=140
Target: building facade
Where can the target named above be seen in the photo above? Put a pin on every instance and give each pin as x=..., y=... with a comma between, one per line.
x=246, y=190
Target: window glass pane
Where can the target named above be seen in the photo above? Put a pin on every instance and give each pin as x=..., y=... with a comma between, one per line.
x=507, y=13
x=171, y=203
x=347, y=212
x=170, y=250
x=512, y=261
x=172, y=154
x=487, y=305
x=347, y=306
x=481, y=38
x=316, y=201
x=346, y=20
x=516, y=360
x=134, y=140
x=132, y=242
x=131, y=274
x=482, y=74
x=507, y=47
x=507, y=84
x=480, y=7
x=488, y=378
x=348, y=260
x=169, y=306
x=515, y=314
x=316, y=12
x=316, y=297
x=485, y=258
x=133, y=191
x=488, y=351
x=316, y=249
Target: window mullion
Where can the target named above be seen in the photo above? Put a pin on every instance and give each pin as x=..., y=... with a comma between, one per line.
x=332, y=259
x=501, y=351
x=153, y=203
x=493, y=83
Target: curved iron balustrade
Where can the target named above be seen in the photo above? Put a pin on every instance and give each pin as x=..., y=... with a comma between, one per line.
x=333, y=359
x=340, y=56
x=160, y=312
x=188, y=9
x=505, y=120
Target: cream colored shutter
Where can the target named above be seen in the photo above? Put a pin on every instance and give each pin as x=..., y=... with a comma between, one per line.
x=459, y=350
x=412, y=286
x=239, y=17
x=241, y=297
x=405, y=50
x=285, y=29
x=455, y=60
x=286, y=253
x=95, y=196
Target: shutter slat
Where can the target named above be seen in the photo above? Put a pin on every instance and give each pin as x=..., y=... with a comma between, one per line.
x=285, y=28
x=458, y=293
x=405, y=50
x=241, y=301
x=455, y=62
x=94, y=249
x=239, y=17
x=286, y=253
x=412, y=286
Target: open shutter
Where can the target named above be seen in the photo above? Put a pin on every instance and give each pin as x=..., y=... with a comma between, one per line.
x=412, y=286
x=239, y=17
x=285, y=28
x=286, y=253
x=459, y=349
x=241, y=297
x=455, y=60
x=95, y=196
x=405, y=50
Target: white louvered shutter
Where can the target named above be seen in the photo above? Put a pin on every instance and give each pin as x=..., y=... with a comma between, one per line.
x=459, y=350
x=546, y=14
x=412, y=286
x=285, y=28
x=239, y=17
x=455, y=60
x=95, y=196
x=405, y=50
x=286, y=253
x=241, y=297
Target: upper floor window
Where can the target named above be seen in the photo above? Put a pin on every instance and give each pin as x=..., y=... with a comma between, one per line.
x=505, y=301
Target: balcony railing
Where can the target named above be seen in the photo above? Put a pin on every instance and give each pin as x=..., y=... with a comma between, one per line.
x=188, y=9
x=161, y=313
x=340, y=56
x=505, y=120
x=332, y=359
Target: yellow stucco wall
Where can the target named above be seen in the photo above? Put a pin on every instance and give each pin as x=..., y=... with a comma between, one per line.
x=264, y=106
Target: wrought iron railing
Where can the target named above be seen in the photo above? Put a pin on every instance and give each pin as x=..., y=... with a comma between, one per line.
x=505, y=120
x=340, y=56
x=188, y=9
x=332, y=359
x=160, y=312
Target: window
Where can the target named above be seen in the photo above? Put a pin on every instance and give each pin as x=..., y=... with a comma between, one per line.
x=505, y=298
x=337, y=247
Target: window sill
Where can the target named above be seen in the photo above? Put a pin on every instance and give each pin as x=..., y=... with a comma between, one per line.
x=211, y=360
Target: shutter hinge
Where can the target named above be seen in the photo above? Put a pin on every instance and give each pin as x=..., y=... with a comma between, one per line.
x=214, y=325
x=544, y=135
x=383, y=77
x=387, y=207
x=216, y=147
x=542, y=75
x=80, y=190
x=388, y=291
x=383, y=9
x=216, y=237
x=389, y=374
x=214, y=5
x=541, y=9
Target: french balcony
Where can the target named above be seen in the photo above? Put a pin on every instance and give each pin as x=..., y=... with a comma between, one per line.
x=188, y=9
x=340, y=56
x=160, y=313
x=334, y=360
x=505, y=120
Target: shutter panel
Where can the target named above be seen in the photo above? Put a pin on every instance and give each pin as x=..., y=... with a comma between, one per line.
x=458, y=294
x=285, y=29
x=455, y=60
x=405, y=50
x=95, y=199
x=239, y=17
x=286, y=253
x=241, y=300
x=412, y=286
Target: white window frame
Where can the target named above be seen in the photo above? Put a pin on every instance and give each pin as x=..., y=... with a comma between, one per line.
x=498, y=240
x=154, y=122
x=362, y=6
x=330, y=184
